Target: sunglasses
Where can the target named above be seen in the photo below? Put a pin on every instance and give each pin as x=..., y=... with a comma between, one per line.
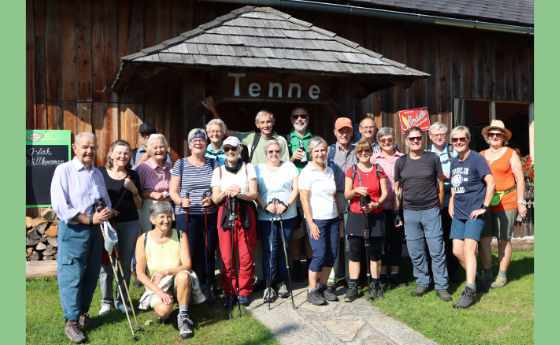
x=461, y=139
x=273, y=151
x=364, y=152
x=303, y=116
x=386, y=140
x=229, y=148
x=419, y=138
x=495, y=134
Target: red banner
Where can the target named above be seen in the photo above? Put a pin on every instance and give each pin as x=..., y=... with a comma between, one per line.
x=416, y=117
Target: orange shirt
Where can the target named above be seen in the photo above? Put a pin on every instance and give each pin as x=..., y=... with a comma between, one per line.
x=504, y=178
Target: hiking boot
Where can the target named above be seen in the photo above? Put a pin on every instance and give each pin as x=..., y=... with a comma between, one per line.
x=83, y=321
x=185, y=325
x=499, y=282
x=351, y=292
x=283, y=291
x=420, y=291
x=269, y=295
x=444, y=295
x=329, y=293
x=105, y=309
x=245, y=300
x=468, y=297
x=315, y=297
x=379, y=290
x=73, y=332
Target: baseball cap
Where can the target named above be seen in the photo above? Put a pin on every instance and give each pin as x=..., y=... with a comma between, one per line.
x=232, y=141
x=342, y=122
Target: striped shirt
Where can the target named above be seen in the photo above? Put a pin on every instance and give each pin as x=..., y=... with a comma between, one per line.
x=196, y=181
x=154, y=178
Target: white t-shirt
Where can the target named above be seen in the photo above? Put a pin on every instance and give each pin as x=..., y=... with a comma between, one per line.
x=322, y=187
x=227, y=179
x=276, y=183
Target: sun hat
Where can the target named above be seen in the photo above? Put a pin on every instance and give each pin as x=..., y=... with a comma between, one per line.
x=499, y=125
x=232, y=141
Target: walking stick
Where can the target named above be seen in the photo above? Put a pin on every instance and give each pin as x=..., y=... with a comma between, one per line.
x=366, y=247
x=287, y=261
x=209, y=284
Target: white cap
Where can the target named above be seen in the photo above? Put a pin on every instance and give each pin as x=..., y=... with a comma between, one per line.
x=232, y=141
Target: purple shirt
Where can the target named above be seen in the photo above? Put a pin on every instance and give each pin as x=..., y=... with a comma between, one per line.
x=154, y=178
x=75, y=188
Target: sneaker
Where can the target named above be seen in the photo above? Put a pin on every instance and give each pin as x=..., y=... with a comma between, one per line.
x=420, y=291
x=315, y=297
x=185, y=326
x=499, y=282
x=83, y=321
x=329, y=293
x=73, y=332
x=468, y=297
x=269, y=295
x=444, y=295
x=244, y=300
x=351, y=292
x=283, y=291
x=105, y=309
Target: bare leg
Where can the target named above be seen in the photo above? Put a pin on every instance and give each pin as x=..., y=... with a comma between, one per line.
x=486, y=252
x=353, y=269
x=163, y=310
x=375, y=269
x=459, y=252
x=504, y=248
x=313, y=278
x=324, y=277
x=470, y=259
x=183, y=287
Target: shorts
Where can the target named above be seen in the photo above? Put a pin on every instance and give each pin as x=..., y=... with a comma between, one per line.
x=469, y=228
x=150, y=299
x=356, y=244
x=500, y=224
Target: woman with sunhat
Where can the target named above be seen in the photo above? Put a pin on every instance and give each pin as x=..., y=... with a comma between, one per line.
x=507, y=202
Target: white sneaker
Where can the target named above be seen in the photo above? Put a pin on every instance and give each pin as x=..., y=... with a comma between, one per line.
x=105, y=309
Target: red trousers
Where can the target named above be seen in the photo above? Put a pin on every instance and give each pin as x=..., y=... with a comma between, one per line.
x=244, y=241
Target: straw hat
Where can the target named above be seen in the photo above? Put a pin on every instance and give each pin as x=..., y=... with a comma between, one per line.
x=497, y=124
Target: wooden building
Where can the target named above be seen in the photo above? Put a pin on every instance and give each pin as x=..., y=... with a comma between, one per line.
x=467, y=61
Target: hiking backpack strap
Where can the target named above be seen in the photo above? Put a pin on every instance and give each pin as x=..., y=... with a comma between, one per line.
x=256, y=140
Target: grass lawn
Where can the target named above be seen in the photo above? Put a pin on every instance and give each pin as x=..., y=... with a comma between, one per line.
x=45, y=323
x=502, y=316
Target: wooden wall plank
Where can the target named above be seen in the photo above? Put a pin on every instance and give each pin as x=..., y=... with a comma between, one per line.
x=30, y=67
x=39, y=39
x=53, y=64
x=69, y=51
x=105, y=127
x=105, y=42
x=84, y=52
x=130, y=118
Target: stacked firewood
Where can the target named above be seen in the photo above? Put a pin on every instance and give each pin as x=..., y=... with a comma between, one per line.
x=41, y=240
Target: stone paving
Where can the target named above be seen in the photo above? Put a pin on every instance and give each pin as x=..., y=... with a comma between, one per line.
x=338, y=323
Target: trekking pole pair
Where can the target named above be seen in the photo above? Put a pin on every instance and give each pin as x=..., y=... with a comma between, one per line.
x=278, y=218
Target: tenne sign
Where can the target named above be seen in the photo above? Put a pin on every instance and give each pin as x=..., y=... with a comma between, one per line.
x=274, y=89
x=44, y=150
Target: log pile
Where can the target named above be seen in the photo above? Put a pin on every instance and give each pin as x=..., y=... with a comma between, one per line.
x=41, y=236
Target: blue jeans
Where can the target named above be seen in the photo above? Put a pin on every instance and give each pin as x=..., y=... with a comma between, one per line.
x=202, y=243
x=78, y=263
x=420, y=227
x=273, y=261
x=325, y=248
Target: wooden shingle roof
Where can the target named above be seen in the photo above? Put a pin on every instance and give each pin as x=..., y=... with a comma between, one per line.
x=267, y=39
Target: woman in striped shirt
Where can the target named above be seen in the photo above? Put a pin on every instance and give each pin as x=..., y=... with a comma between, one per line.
x=194, y=212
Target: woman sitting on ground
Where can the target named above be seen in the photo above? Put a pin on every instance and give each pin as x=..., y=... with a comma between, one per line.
x=168, y=262
x=366, y=188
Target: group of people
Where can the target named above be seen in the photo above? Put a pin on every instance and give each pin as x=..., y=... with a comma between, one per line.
x=254, y=203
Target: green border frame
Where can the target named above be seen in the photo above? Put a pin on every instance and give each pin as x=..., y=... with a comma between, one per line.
x=12, y=255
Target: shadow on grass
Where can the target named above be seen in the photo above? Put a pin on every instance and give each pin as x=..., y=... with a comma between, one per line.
x=519, y=268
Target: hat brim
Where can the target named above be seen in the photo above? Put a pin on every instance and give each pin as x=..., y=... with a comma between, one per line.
x=507, y=132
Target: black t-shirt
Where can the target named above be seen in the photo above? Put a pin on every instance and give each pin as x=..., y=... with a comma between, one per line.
x=121, y=198
x=419, y=181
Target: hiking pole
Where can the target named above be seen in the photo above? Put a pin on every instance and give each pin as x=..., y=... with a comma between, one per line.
x=110, y=240
x=285, y=249
x=232, y=221
x=366, y=247
x=123, y=280
x=268, y=294
x=209, y=284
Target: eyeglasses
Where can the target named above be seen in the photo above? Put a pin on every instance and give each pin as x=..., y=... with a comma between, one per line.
x=386, y=140
x=303, y=116
x=364, y=152
x=461, y=139
x=495, y=134
x=439, y=135
x=419, y=138
x=272, y=151
x=229, y=148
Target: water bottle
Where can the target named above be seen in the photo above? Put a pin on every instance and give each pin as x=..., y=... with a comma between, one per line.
x=302, y=147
